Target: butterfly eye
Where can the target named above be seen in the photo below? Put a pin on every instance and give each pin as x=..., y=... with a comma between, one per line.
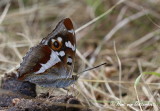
x=56, y=44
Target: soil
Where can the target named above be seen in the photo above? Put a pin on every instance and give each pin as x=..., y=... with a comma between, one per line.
x=21, y=96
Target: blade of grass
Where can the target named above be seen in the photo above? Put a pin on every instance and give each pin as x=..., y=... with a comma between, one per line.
x=152, y=73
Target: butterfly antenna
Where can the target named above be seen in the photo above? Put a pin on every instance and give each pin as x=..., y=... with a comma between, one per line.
x=95, y=67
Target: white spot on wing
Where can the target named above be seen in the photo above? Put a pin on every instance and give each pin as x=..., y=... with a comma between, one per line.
x=57, y=53
x=66, y=43
x=52, y=61
x=74, y=47
x=61, y=53
x=69, y=60
x=59, y=39
x=69, y=45
x=71, y=31
x=53, y=40
x=42, y=69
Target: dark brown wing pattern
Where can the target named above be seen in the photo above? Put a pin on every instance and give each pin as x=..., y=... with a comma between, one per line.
x=51, y=63
x=32, y=61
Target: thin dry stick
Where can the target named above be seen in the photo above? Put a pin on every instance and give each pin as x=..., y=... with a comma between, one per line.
x=83, y=58
x=120, y=71
x=26, y=29
x=107, y=85
x=7, y=61
x=85, y=90
x=99, y=17
x=4, y=13
x=3, y=69
x=12, y=70
x=22, y=43
x=133, y=5
x=25, y=12
x=92, y=93
x=152, y=20
x=4, y=2
x=86, y=62
x=100, y=91
x=117, y=82
x=82, y=92
x=143, y=39
x=121, y=14
x=138, y=98
x=140, y=69
x=145, y=90
x=150, y=97
x=116, y=28
x=103, y=93
x=27, y=38
x=123, y=23
x=17, y=53
x=67, y=9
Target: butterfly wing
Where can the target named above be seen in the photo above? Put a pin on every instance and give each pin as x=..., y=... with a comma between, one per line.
x=51, y=63
x=34, y=60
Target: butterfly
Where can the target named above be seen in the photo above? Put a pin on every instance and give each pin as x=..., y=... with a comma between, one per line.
x=51, y=62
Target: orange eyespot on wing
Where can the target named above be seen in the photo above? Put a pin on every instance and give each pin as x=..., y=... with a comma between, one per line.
x=56, y=44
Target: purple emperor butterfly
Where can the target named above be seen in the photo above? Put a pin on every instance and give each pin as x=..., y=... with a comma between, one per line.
x=51, y=62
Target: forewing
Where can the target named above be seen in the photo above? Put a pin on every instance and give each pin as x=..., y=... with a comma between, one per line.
x=43, y=64
x=33, y=61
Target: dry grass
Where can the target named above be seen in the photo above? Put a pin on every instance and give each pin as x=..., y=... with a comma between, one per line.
x=125, y=35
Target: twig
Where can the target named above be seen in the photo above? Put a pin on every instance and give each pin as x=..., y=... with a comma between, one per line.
x=118, y=27
x=99, y=17
x=4, y=13
x=143, y=39
x=120, y=71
